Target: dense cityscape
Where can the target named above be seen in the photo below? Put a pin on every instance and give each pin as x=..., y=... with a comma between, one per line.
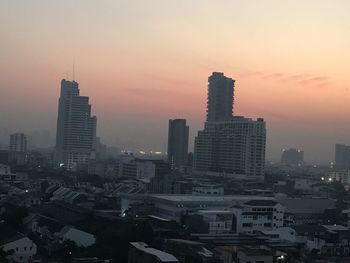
x=178, y=131
x=223, y=203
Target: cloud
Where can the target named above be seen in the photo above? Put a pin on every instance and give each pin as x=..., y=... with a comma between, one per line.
x=301, y=79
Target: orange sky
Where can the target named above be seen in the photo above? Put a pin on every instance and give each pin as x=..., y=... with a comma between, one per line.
x=143, y=62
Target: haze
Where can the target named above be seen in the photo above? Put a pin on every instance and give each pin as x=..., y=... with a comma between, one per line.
x=144, y=62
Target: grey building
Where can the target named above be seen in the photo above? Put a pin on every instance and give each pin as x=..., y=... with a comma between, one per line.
x=18, y=149
x=342, y=156
x=76, y=128
x=293, y=157
x=177, y=142
x=220, y=97
x=228, y=144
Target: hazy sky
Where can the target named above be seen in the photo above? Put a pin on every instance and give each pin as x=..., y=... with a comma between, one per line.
x=143, y=62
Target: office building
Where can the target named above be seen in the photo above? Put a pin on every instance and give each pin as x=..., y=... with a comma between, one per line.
x=342, y=156
x=292, y=157
x=76, y=128
x=229, y=144
x=177, y=142
x=18, y=149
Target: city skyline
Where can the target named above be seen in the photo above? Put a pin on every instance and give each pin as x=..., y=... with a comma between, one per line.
x=278, y=68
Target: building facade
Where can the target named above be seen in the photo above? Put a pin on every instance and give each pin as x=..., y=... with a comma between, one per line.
x=177, y=142
x=228, y=144
x=76, y=128
x=220, y=97
x=18, y=149
x=232, y=147
x=342, y=156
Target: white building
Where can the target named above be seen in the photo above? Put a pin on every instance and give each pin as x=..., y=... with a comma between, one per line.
x=174, y=206
x=254, y=215
x=342, y=176
x=81, y=238
x=23, y=248
x=229, y=144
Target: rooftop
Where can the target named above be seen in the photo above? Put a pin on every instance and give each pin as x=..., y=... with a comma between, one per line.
x=163, y=256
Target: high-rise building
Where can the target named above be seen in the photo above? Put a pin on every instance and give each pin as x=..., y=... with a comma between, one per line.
x=342, y=156
x=76, y=128
x=294, y=157
x=177, y=142
x=228, y=144
x=18, y=149
x=220, y=97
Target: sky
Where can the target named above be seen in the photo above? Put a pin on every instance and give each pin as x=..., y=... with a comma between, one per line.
x=143, y=62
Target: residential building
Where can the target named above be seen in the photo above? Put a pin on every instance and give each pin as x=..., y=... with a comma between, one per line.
x=23, y=248
x=229, y=145
x=234, y=147
x=177, y=143
x=248, y=217
x=76, y=128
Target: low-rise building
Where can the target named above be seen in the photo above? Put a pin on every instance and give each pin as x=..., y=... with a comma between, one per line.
x=140, y=252
x=21, y=248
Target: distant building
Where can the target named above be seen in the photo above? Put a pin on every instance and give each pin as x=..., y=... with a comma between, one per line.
x=101, y=150
x=18, y=149
x=292, y=157
x=232, y=147
x=342, y=156
x=76, y=128
x=251, y=216
x=173, y=207
x=220, y=97
x=177, y=142
x=130, y=166
x=228, y=144
x=140, y=252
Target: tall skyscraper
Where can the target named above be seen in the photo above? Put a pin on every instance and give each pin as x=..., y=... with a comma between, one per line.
x=220, y=97
x=177, y=142
x=18, y=149
x=342, y=156
x=76, y=128
x=228, y=144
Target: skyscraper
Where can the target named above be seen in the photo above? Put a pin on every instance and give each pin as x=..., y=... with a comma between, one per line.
x=18, y=149
x=220, y=97
x=342, y=156
x=229, y=144
x=76, y=128
x=177, y=142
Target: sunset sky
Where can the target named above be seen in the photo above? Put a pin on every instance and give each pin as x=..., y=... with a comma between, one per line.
x=142, y=62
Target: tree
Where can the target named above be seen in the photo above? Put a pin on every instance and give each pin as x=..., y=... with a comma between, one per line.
x=4, y=254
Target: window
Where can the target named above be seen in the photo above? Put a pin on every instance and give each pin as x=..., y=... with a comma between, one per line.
x=25, y=248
